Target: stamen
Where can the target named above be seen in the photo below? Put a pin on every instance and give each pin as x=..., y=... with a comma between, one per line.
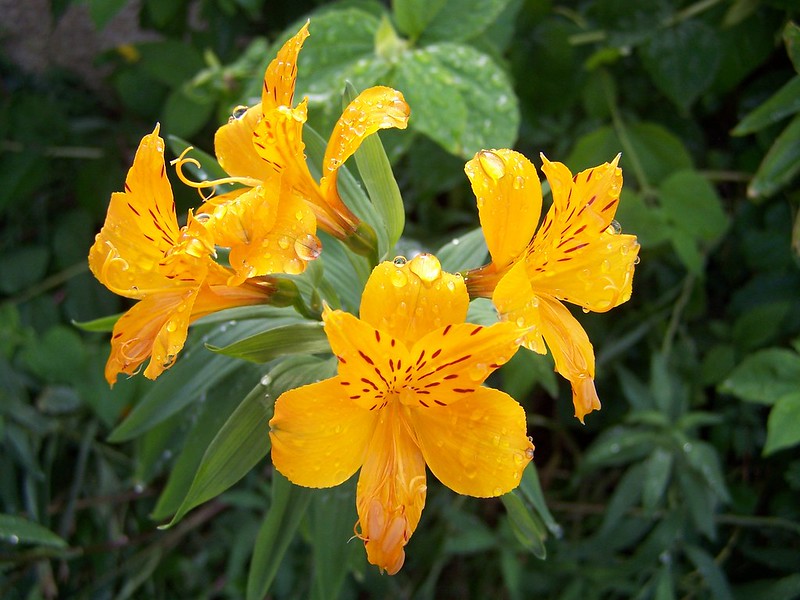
x=183, y=160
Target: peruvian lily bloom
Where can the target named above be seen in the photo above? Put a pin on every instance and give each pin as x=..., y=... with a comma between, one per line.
x=578, y=255
x=270, y=222
x=408, y=393
x=141, y=253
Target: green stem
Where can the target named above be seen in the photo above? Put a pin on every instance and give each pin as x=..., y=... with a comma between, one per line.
x=677, y=311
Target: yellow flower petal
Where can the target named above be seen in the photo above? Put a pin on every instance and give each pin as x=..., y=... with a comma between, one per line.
x=279, y=79
x=373, y=109
x=319, y=437
x=572, y=352
x=155, y=326
x=372, y=363
x=233, y=145
x=391, y=490
x=509, y=199
x=516, y=302
x=140, y=227
x=452, y=362
x=478, y=446
x=408, y=299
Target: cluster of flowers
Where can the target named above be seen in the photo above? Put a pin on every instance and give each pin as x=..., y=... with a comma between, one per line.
x=409, y=391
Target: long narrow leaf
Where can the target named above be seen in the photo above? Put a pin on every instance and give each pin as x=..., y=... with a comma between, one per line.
x=298, y=338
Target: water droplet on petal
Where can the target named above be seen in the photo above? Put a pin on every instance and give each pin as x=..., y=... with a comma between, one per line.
x=636, y=260
x=399, y=278
x=529, y=453
x=399, y=260
x=614, y=228
x=293, y=266
x=519, y=182
x=451, y=286
x=520, y=321
x=498, y=491
x=284, y=242
x=479, y=372
x=171, y=326
x=492, y=164
x=585, y=310
x=237, y=113
x=427, y=267
x=308, y=247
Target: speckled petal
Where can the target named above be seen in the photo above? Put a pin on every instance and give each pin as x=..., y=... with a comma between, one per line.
x=479, y=446
x=281, y=74
x=233, y=145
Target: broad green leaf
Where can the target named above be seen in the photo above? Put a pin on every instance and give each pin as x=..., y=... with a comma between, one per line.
x=711, y=572
x=22, y=266
x=467, y=534
x=618, y=446
x=340, y=273
x=644, y=220
x=526, y=525
x=780, y=165
x=195, y=371
x=688, y=251
x=184, y=114
x=657, y=471
x=783, y=425
x=764, y=376
x=376, y=173
x=627, y=493
x=289, y=504
x=459, y=97
x=683, y=60
x=784, y=102
x=340, y=48
x=704, y=459
x=460, y=20
x=103, y=324
x=482, y=312
x=699, y=501
x=659, y=152
x=59, y=356
x=467, y=251
x=526, y=370
x=692, y=205
x=170, y=62
x=791, y=37
x=296, y=338
x=413, y=16
x=16, y=530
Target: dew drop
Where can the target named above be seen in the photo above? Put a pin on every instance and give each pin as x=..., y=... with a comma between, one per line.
x=237, y=113
x=455, y=241
x=293, y=266
x=265, y=380
x=519, y=182
x=426, y=267
x=614, y=228
x=478, y=372
x=605, y=266
x=399, y=261
x=520, y=322
x=492, y=164
x=585, y=310
x=495, y=440
x=636, y=260
x=284, y=242
x=529, y=453
x=399, y=278
x=624, y=250
x=498, y=491
x=171, y=326
x=13, y=539
x=451, y=286
x=614, y=448
x=308, y=247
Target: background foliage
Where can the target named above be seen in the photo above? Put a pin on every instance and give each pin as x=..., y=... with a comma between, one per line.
x=685, y=485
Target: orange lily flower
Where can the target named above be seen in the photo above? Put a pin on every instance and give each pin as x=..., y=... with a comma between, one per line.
x=408, y=393
x=578, y=255
x=141, y=253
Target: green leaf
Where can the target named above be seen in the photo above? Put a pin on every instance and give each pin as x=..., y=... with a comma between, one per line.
x=657, y=471
x=531, y=490
x=692, y=205
x=239, y=445
x=459, y=97
x=289, y=504
x=711, y=572
x=780, y=165
x=791, y=37
x=17, y=530
x=413, y=16
x=784, y=102
x=618, y=446
x=626, y=495
x=103, y=324
x=195, y=371
x=683, y=60
x=297, y=338
x=185, y=114
x=467, y=251
x=645, y=221
x=703, y=457
x=22, y=267
x=376, y=173
x=526, y=525
x=472, y=17
x=102, y=11
x=783, y=425
x=764, y=376
x=699, y=501
x=170, y=62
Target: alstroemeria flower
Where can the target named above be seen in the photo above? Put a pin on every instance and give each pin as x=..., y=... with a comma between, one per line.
x=577, y=255
x=408, y=393
x=141, y=253
x=279, y=139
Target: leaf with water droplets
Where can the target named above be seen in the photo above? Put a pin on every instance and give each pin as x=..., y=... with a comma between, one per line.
x=15, y=530
x=296, y=338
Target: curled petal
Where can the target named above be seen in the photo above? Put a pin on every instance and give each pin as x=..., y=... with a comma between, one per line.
x=572, y=352
x=319, y=437
x=281, y=74
x=478, y=447
x=408, y=299
x=391, y=490
x=509, y=198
